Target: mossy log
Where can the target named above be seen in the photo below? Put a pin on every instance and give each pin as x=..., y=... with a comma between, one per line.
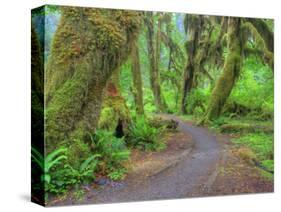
x=245, y=128
x=88, y=46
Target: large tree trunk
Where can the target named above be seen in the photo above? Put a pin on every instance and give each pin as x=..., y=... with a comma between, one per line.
x=88, y=46
x=154, y=55
x=230, y=72
x=137, y=80
x=115, y=115
x=200, y=49
x=194, y=23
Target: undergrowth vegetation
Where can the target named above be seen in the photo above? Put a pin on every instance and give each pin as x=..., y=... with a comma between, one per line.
x=109, y=156
x=144, y=136
x=262, y=146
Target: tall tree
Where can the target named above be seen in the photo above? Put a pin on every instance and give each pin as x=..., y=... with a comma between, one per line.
x=199, y=31
x=231, y=70
x=176, y=56
x=153, y=46
x=239, y=32
x=88, y=46
x=137, y=79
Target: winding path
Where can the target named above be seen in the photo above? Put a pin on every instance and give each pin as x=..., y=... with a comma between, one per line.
x=177, y=181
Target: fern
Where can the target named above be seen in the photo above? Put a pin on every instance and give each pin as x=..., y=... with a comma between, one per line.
x=143, y=135
x=52, y=159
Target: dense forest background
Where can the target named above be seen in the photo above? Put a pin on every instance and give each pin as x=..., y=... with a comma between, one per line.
x=108, y=72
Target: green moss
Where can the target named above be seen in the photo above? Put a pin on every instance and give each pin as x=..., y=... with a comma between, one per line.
x=261, y=143
x=262, y=146
x=245, y=128
x=262, y=41
x=88, y=46
x=231, y=70
x=37, y=64
x=77, y=151
x=114, y=109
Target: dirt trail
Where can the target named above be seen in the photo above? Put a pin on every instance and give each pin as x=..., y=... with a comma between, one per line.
x=177, y=181
x=208, y=168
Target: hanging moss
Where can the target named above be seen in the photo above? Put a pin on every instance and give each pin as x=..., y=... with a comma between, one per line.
x=153, y=46
x=197, y=46
x=88, y=46
x=265, y=32
x=263, y=42
x=230, y=73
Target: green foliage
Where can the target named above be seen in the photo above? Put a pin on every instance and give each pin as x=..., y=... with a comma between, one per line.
x=79, y=194
x=269, y=164
x=85, y=173
x=261, y=144
x=218, y=122
x=254, y=89
x=144, y=136
x=66, y=176
x=172, y=97
x=148, y=101
x=56, y=176
x=50, y=161
x=113, y=151
x=197, y=101
x=114, y=109
x=117, y=174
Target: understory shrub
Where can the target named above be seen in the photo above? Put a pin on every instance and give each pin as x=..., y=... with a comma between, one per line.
x=254, y=90
x=108, y=156
x=159, y=122
x=49, y=162
x=197, y=101
x=57, y=177
x=113, y=153
x=144, y=136
x=65, y=176
x=262, y=146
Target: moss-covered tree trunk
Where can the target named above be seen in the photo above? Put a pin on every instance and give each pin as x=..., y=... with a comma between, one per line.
x=88, y=46
x=265, y=38
x=154, y=55
x=115, y=115
x=137, y=80
x=193, y=28
x=231, y=70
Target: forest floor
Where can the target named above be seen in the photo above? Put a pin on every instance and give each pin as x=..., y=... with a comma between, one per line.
x=196, y=162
